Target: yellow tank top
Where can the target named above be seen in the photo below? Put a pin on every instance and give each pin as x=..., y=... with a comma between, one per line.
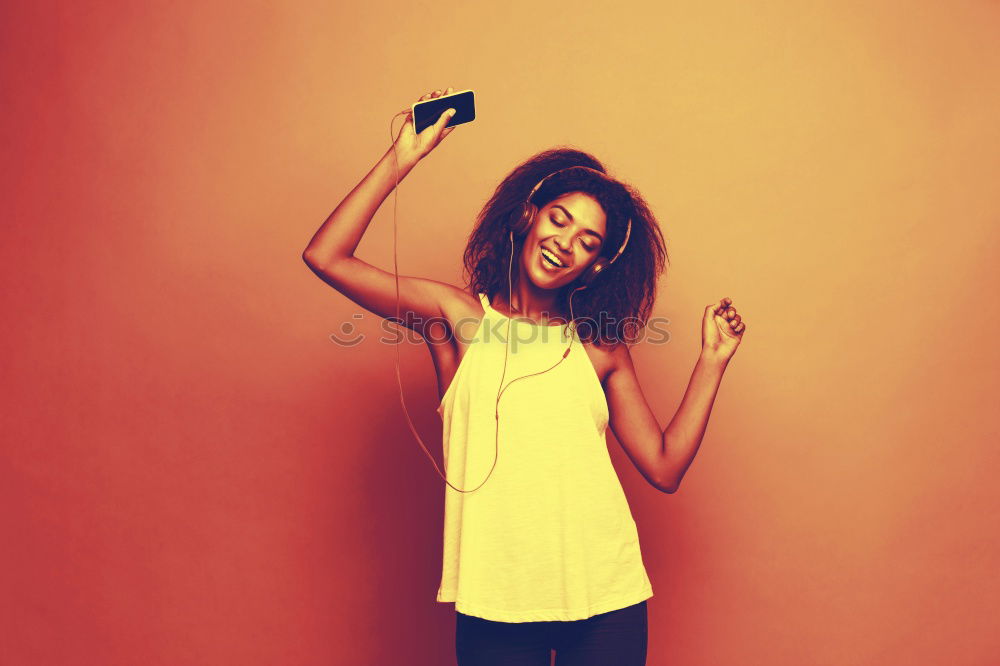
x=550, y=535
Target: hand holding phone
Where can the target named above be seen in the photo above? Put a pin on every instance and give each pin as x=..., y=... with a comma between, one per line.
x=427, y=122
x=426, y=113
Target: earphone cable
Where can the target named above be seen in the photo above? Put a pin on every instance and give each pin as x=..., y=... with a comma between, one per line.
x=395, y=265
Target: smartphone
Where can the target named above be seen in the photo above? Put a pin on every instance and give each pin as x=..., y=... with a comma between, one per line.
x=426, y=113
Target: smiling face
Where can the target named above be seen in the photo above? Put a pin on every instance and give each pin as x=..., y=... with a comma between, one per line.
x=570, y=229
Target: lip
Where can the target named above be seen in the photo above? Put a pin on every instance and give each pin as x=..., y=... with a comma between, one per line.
x=545, y=264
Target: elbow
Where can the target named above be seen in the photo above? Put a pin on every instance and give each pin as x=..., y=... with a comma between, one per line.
x=668, y=478
x=316, y=265
x=326, y=265
x=306, y=257
x=667, y=485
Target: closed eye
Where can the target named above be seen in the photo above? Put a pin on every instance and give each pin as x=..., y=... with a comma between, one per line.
x=588, y=248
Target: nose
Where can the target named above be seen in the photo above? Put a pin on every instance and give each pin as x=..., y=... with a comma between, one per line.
x=560, y=245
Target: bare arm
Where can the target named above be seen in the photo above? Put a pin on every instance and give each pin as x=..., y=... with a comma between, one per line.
x=682, y=436
x=330, y=253
x=721, y=333
x=664, y=456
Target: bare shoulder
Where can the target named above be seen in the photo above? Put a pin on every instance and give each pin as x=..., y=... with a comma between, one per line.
x=605, y=358
x=457, y=303
x=461, y=311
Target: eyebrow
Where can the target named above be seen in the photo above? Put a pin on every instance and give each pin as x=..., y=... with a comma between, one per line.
x=589, y=231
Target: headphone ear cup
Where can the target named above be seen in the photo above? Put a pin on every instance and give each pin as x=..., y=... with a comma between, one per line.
x=523, y=222
x=588, y=277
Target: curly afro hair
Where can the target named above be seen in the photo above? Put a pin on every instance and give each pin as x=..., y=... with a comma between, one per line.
x=616, y=306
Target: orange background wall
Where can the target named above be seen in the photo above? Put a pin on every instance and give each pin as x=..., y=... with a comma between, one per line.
x=193, y=473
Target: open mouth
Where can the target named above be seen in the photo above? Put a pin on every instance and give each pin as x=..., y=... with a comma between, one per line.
x=549, y=260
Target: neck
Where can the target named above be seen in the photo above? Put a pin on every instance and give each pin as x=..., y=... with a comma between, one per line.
x=532, y=302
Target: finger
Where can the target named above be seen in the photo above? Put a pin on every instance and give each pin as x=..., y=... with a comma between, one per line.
x=409, y=109
x=438, y=126
x=443, y=119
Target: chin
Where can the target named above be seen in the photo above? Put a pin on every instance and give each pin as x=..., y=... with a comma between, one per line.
x=545, y=281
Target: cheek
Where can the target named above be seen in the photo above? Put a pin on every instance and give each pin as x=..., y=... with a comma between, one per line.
x=578, y=270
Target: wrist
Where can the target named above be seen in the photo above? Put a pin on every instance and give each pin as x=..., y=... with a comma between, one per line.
x=406, y=160
x=398, y=166
x=713, y=359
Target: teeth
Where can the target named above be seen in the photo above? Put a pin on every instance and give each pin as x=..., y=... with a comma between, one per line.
x=553, y=257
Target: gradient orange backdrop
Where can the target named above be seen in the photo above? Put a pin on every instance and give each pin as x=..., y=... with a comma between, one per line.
x=193, y=473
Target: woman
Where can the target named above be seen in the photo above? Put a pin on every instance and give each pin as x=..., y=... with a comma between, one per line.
x=540, y=548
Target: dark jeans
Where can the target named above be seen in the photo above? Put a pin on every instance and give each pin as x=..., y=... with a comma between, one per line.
x=618, y=638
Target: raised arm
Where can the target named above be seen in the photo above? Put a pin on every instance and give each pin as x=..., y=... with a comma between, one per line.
x=330, y=253
x=663, y=457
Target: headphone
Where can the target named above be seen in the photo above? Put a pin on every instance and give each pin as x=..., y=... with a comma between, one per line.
x=519, y=227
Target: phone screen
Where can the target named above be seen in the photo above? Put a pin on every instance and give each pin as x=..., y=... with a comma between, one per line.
x=427, y=113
